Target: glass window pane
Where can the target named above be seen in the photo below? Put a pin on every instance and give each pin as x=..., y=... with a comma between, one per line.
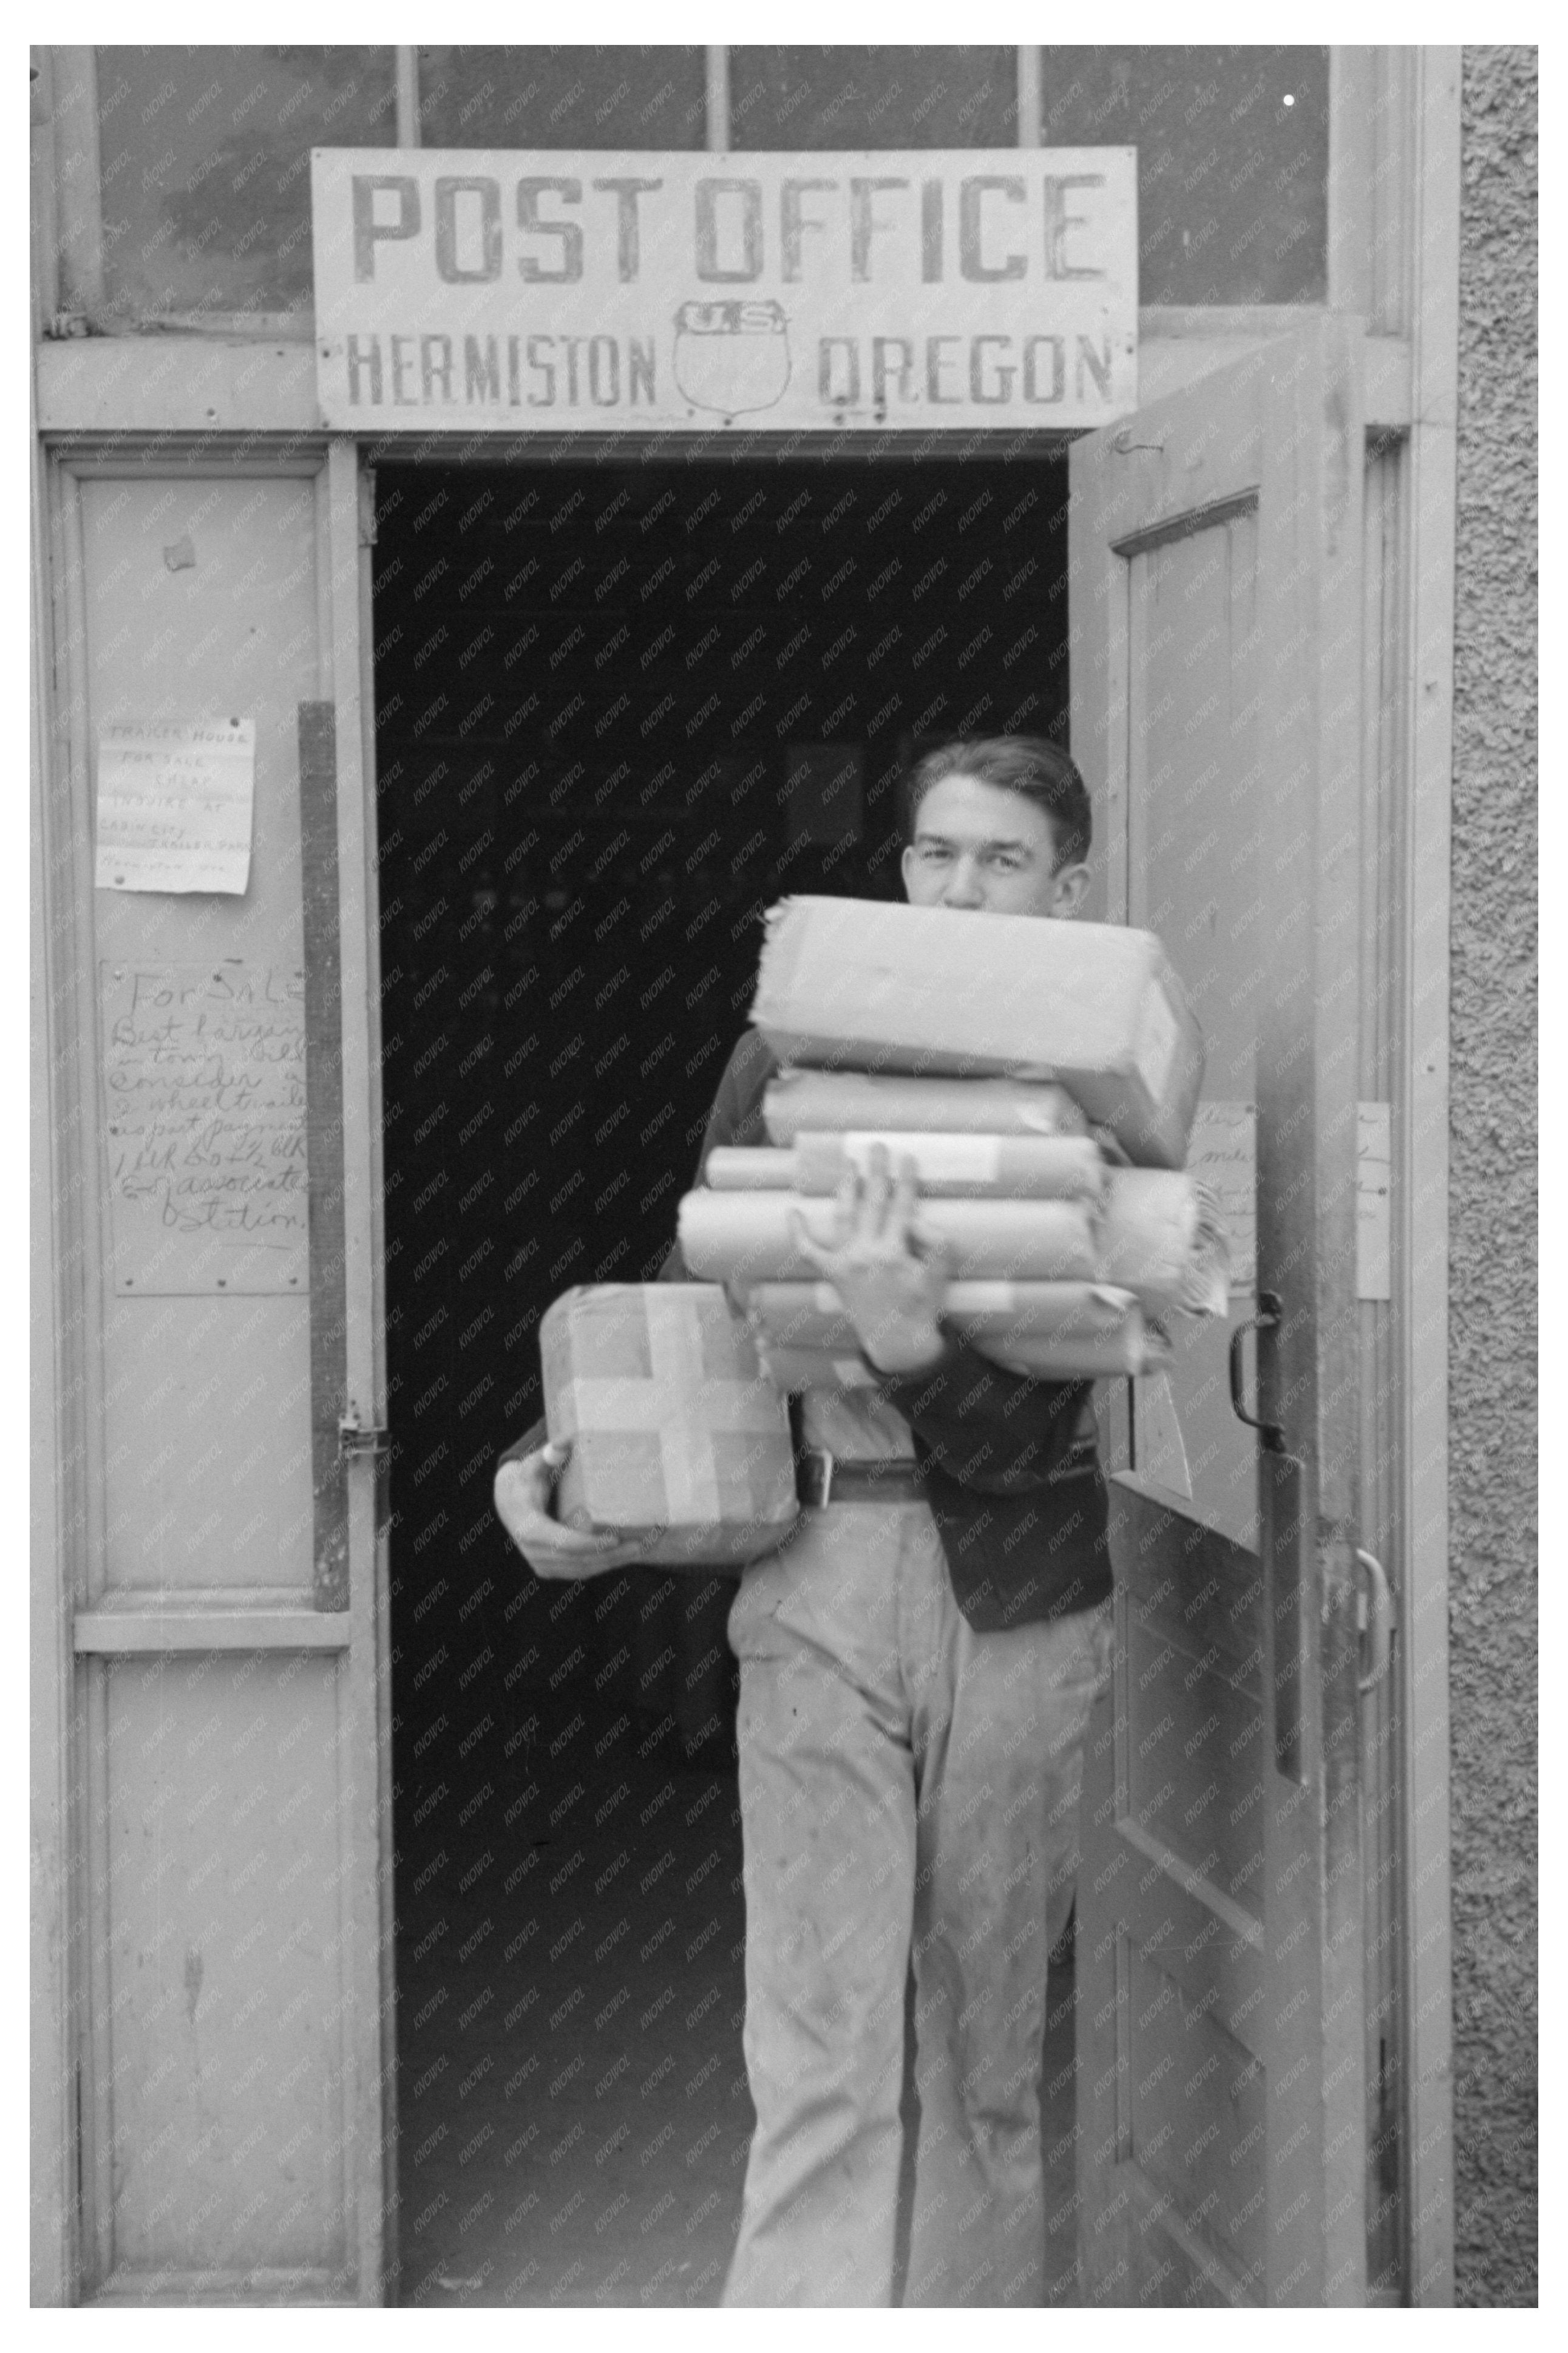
x=786, y=98
x=539, y=96
x=206, y=163
x=1233, y=161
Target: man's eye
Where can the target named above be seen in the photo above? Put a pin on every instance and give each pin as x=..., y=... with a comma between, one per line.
x=1005, y=862
x=931, y=854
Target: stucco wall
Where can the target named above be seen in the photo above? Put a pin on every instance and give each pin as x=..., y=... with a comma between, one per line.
x=1491, y=1349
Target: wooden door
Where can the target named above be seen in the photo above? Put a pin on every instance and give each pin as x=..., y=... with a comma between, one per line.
x=1215, y=556
x=227, y=1916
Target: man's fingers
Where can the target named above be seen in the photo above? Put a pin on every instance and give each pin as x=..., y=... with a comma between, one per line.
x=578, y=1567
x=847, y=1208
x=582, y=1541
x=879, y=1190
x=524, y=1490
x=906, y=1196
x=812, y=1252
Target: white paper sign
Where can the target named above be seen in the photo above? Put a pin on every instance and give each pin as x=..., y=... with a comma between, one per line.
x=174, y=807
x=1223, y=1155
x=487, y=291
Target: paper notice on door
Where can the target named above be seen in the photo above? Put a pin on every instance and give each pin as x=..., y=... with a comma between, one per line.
x=204, y=1087
x=1159, y=1448
x=1374, y=1173
x=1223, y=1155
x=174, y=807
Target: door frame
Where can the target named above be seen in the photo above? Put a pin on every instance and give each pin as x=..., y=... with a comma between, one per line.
x=1407, y=783
x=1393, y=246
x=77, y=1628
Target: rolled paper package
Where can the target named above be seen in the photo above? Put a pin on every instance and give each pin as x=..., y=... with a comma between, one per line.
x=794, y=1369
x=746, y=1237
x=1134, y=1348
x=976, y=1167
x=802, y=1102
x=813, y=1315
x=749, y=1168
x=1157, y=1235
x=1161, y=1236
x=1058, y=1331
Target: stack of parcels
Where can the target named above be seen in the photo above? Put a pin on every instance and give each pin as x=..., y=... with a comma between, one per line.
x=1042, y=1077
x=680, y=1442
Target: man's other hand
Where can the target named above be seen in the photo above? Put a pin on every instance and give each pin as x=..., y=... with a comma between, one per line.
x=525, y=1492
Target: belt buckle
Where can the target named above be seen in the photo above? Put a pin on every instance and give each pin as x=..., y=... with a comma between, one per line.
x=822, y=1455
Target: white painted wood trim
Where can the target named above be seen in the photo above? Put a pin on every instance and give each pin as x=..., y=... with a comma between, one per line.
x=1352, y=75
x=43, y=180
x=385, y=1845
x=176, y=384
x=153, y=2290
x=407, y=71
x=74, y=1103
x=716, y=95
x=1030, y=103
x=127, y=1633
x=1422, y=1174
x=369, y=1958
x=79, y=194
x=53, y=2253
x=213, y=389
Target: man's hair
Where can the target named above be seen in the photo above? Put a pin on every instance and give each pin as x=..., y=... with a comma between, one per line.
x=1036, y=770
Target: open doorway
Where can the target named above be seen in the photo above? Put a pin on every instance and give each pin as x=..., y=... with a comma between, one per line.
x=621, y=708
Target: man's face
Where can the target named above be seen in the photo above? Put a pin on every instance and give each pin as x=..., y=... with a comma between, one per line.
x=980, y=846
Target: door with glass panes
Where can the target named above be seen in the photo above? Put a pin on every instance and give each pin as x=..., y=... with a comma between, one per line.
x=1216, y=618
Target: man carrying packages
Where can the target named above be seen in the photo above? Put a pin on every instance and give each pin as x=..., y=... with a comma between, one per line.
x=918, y=1665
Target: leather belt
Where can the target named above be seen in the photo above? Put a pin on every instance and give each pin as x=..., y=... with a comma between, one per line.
x=822, y=1478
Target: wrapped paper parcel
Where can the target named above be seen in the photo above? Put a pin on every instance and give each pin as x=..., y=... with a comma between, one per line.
x=863, y=985
x=680, y=1441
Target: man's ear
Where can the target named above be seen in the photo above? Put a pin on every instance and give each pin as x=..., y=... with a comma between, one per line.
x=1070, y=888
x=906, y=860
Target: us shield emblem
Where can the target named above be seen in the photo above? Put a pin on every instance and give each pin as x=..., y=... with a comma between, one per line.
x=731, y=356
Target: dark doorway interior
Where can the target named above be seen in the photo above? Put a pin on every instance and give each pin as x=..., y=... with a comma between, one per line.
x=621, y=708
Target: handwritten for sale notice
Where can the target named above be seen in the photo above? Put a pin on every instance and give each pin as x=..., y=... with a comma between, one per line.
x=204, y=1075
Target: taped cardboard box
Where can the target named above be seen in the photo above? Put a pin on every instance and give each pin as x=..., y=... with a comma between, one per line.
x=1093, y=1007
x=679, y=1442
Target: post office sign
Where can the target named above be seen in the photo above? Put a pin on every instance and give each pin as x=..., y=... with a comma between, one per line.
x=475, y=292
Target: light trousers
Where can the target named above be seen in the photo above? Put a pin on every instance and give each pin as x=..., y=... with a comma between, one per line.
x=909, y=1790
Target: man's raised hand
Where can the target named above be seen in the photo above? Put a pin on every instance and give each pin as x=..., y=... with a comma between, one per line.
x=889, y=1272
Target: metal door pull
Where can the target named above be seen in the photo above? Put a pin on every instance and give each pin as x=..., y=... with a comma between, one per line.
x=1376, y=1618
x=1270, y=1434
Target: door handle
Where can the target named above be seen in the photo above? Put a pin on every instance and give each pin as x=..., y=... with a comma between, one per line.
x=1375, y=1617
x=1270, y=1434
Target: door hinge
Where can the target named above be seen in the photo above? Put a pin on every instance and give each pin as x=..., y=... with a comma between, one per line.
x=367, y=506
x=356, y=1438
